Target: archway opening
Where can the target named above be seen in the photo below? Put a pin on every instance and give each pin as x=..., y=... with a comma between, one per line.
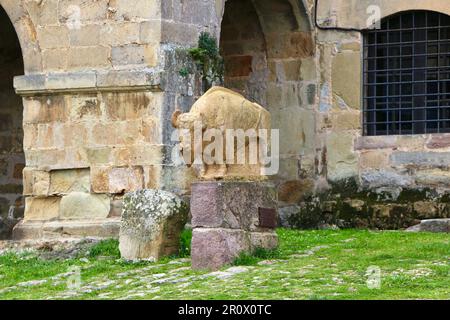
x=269, y=49
x=12, y=158
x=243, y=47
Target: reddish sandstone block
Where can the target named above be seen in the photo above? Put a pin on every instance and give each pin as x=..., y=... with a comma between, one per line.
x=213, y=248
x=233, y=205
x=238, y=66
x=204, y=205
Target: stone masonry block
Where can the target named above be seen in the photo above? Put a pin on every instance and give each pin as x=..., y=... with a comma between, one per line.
x=439, y=141
x=421, y=159
x=150, y=31
x=74, y=12
x=126, y=179
x=43, y=13
x=28, y=181
x=233, y=205
x=141, y=9
x=120, y=34
x=89, y=57
x=214, y=248
x=41, y=209
x=127, y=54
x=117, y=180
x=53, y=37
x=100, y=179
x=56, y=81
x=88, y=35
x=35, y=182
x=67, y=181
x=79, y=205
x=54, y=59
x=347, y=66
x=44, y=110
x=124, y=78
x=128, y=106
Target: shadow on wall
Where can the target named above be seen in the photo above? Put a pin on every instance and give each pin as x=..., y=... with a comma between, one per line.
x=12, y=158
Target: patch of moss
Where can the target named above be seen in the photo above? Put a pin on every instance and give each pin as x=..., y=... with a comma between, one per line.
x=309, y=216
x=346, y=188
x=413, y=195
x=383, y=208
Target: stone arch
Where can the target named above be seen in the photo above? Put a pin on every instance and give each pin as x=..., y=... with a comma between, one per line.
x=12, y=158
x=354, y=13
x=243, y=47
x=26, y=32
x=436, y=6
x=399, y=12
x=286, y=29
x=269, y=50
x=261, y=34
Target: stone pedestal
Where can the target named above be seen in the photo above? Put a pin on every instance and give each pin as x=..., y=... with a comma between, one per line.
x=229, y=218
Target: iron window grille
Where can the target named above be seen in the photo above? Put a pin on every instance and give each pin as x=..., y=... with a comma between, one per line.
x=407, y=75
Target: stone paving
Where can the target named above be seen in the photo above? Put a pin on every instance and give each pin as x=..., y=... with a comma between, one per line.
x=307, y=273
x=144, y=281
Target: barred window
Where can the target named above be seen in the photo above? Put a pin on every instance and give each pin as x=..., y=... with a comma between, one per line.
x=407, y=75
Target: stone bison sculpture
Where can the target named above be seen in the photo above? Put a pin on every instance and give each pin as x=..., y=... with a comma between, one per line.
x=222, y=109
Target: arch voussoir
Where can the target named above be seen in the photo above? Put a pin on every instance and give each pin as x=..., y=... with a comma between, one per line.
x=26, y=33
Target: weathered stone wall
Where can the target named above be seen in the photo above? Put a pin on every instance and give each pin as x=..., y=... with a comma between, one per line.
x=92, y=105
x=310, y=81
x=381, y=182
x=102, y=79
x=103, y=143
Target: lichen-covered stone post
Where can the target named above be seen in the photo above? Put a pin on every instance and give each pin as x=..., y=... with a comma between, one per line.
x=152, y=221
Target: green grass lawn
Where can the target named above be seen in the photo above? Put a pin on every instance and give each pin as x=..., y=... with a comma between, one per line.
x=308, y=265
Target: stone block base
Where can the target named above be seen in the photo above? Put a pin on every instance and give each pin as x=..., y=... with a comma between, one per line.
x=229, y=218
x=213, y=248
x=105, y=228
x=232, y=205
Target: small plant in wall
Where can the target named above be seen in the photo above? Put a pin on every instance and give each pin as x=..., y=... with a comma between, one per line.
x=208, y=60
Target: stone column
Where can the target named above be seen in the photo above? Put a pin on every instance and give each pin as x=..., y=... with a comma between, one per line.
x=229, y=218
